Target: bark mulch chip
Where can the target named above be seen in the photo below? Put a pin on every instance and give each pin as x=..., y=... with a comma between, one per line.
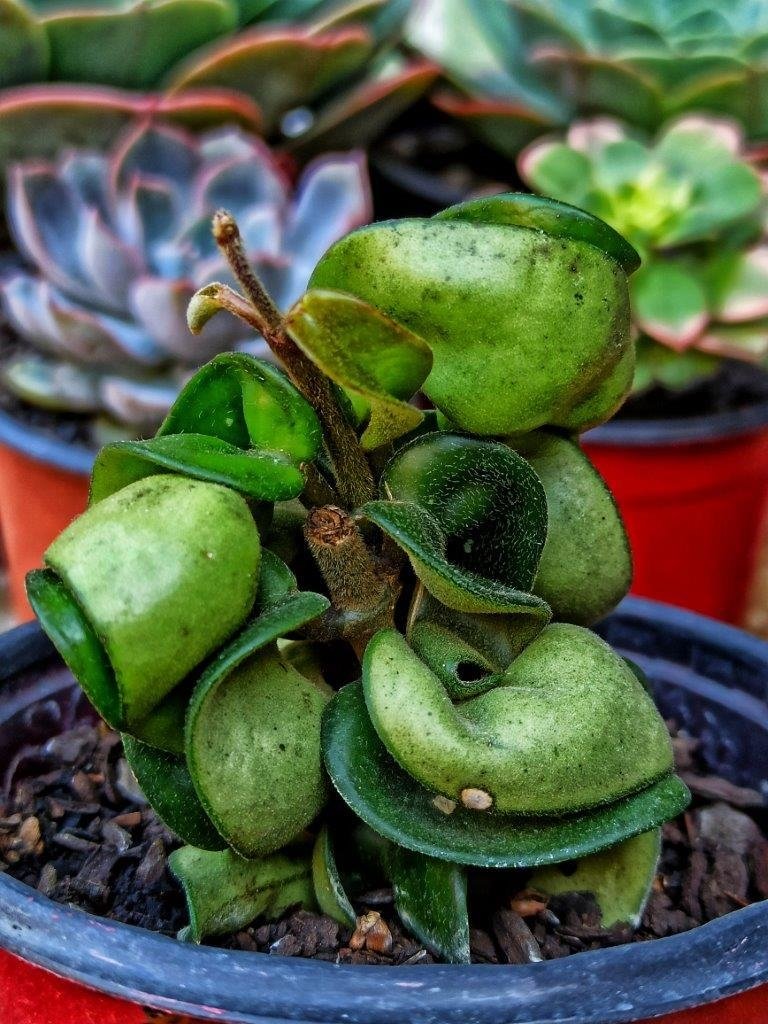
x=75, y=826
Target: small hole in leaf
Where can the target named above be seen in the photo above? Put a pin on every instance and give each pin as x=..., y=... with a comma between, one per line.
x=569, y=868
x=470, y=672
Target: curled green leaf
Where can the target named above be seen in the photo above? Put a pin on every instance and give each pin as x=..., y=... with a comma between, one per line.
x=253, y=748
x=471, y=516
x=566, y=727
x=129, y=600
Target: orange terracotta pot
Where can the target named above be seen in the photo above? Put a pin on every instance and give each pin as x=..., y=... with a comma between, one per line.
x=43, y=486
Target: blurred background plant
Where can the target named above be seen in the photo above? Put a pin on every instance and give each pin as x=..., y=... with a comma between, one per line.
x=117, y=244
x=695, y=210
x=519, y=67
x=315, y=74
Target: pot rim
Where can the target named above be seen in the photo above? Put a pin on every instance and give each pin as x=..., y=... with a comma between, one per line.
x=41, y=446
x=717, y=426
x=610, y=986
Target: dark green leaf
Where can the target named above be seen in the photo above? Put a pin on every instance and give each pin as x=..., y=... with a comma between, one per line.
x=329, y=890
x=165, y=782
x=260, y=475
x=431, y=899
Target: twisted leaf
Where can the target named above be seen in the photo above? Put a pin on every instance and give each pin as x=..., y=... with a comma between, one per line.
x=494, y=371
x=567, y=727
x=368, y=354
x=399, y=808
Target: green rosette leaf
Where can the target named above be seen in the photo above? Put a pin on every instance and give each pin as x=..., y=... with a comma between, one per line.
x=381, y=363
x=224, y=892
x=396, y=806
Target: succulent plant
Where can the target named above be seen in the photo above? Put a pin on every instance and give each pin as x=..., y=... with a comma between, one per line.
x=522, y=66
x=490, y=726
x=695, y=209
x=322, y=74
x=119, y=243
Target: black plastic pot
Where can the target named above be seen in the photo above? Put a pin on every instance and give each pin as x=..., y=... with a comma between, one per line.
x=708, y=676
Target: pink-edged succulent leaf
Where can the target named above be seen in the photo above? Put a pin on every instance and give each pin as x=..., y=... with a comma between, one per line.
x=602, y=83
x=361, y=114
x=24, y=50
x=132, y=46
x=40, y=120
x=135, y=403
x=57, y=325
x=382, y=18
x=505, y=125
x=279, y=68
x=553, y=168
x=669, y=303
x=52, y=385
x=333, y=197
x=747, y=341
x=738, y=285
x=121, y=242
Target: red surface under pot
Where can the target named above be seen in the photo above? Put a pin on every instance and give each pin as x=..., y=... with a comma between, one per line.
x=29, y=995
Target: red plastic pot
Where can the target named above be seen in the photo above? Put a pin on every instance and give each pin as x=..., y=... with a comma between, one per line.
x=43, y=486
x=59, y=965
x=693, y=496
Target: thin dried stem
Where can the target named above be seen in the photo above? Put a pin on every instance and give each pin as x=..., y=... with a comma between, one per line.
x=354, y=478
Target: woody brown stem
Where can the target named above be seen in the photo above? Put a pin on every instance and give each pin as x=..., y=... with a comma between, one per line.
x=354, y=478
x=362, y=593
